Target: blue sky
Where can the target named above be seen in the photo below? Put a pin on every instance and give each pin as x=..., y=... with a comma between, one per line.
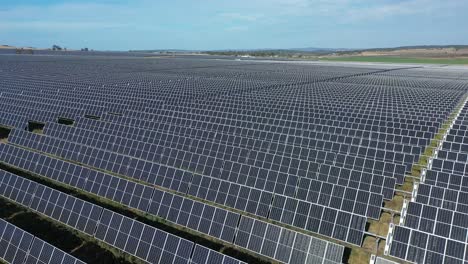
x=232, y=24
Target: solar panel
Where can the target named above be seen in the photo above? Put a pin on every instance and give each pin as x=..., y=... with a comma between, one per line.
x=203, y=255
x=434, y=224
x=124, y=165
x=285, y=245
x=195, y=215
x=238, y=197
x=206, y=144
x=18, y=246
x=130, y=236
x=416, y=246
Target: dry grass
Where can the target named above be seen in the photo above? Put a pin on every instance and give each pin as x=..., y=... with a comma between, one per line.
x=395, y=204
x=362, y=255
x=407, y=185
x=381, y=227
x=381, y=249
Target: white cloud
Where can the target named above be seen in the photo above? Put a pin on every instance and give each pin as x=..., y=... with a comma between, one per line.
x=241, y=17
x=405, y=8
x=58, y=25
x=237, y=28
x=351, y=10
x=67, y=16
x=145, y=13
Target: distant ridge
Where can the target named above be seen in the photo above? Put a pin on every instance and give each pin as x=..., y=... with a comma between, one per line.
x=305, y=50
x=416, y=47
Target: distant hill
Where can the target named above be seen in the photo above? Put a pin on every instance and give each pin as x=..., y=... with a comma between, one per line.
x=7, y=47
x=166, y=51
x=309, y=49
x=416, y=47
x=423, y=51
x=320, y=49
x=434, y=51
x=15, y=47
x=426, y=51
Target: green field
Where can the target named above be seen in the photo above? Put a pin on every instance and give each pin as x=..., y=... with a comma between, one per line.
x=459, y=61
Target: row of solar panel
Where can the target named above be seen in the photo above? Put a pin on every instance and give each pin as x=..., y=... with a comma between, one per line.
x=461, y=121
x=445, y=198
x=364, y=148
x=260, y=237
x=277, y=122
x=457, y=147
x=79, y=107
x=214, y=221
x=446, y=180
x=234, y=196
x=389, y=134
x=11, y=112
x=173, y=69
x=78, y=93
x=402, y=82
x=332, y=95
x=133, y=237
x=293, y=136
x=453, y=156
x=388, y=196
x=30, y=113
x=150, y=172
x=390, y=147
x=441, y=164
x=91, y=102
x=159, y=84
x=255, y=150
x=226, y=71
x=293, y=106
x=436, y=220
x=69, y=110
x=18, y=246
x=129, y=137
x=73, y=109
x=94, y=92
x=419, y=247
x=13, y=120
x=198, y=84
x=328, y=97
x=218, y=167
x=460, y=124
x=389, y=125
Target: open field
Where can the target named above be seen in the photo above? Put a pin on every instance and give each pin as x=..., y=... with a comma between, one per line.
x=390, y=59
x=210, y=159
x=450, y=54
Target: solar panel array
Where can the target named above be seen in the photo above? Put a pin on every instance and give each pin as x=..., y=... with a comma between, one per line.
x=135, y=238
x=210, y=220
x=230, y=149
x=19, y=246
x=434, y=226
